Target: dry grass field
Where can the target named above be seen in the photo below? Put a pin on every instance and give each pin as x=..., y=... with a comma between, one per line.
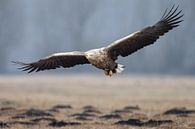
x=97, y=102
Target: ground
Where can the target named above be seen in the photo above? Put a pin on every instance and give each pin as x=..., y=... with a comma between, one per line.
x=97, y=102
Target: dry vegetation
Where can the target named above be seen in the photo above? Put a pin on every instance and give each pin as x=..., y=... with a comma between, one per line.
x=97, y=102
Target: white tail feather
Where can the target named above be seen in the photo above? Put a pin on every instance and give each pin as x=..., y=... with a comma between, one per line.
x=120, y=68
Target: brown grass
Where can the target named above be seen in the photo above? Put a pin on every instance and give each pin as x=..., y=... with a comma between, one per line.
x=153, y=94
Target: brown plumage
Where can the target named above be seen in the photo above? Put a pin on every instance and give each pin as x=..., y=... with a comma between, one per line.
x=104, y=58
x=54, y=61
x=147, y=36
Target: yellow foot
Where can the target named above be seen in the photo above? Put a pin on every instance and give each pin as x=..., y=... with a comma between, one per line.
x=108, y=73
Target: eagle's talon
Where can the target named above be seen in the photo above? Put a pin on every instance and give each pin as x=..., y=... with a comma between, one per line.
x=110, y=73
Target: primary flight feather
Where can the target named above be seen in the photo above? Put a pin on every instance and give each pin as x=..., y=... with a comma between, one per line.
x=104, y=58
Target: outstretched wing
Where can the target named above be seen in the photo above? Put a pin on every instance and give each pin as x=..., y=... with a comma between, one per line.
x=147, y=36
x=54, y=61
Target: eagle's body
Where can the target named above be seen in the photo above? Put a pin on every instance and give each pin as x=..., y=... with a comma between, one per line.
x=100, y=59
x=104, y=58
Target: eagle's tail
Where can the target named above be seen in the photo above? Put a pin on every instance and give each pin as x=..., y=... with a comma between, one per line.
x=120, y=68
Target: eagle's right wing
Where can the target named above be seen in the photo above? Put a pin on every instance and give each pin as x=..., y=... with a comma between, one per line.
x=147, y=36
x=54, y=61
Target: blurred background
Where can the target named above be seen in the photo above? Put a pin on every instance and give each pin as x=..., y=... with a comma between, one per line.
x=32, y=29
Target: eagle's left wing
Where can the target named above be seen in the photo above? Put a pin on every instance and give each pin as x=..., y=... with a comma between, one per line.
x=54, y=61
x=147, y=36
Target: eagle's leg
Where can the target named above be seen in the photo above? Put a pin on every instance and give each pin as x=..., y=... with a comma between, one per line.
x=108, y=72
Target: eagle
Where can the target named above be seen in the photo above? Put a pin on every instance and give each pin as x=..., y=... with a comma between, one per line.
x=105, y=58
